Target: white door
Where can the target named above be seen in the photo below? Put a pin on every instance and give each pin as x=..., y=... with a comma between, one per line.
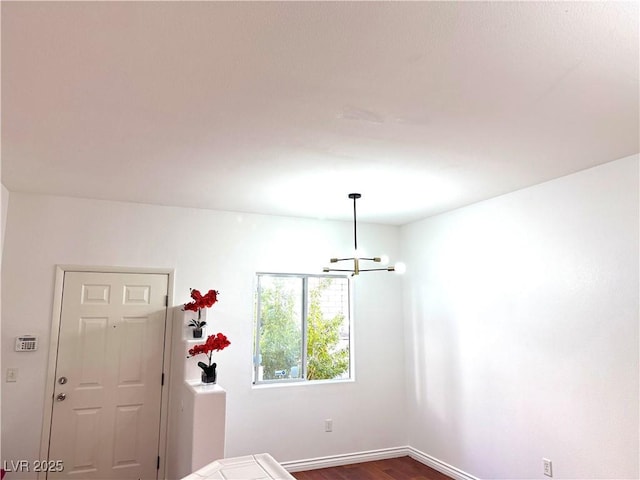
x=109, y=374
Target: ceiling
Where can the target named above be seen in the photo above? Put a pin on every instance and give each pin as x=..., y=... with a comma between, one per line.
x=286, y=107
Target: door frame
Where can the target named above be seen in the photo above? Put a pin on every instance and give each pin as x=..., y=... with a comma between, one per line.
x=53, y=354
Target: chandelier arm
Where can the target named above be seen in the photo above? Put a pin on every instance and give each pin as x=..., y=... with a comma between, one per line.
x=371, y=259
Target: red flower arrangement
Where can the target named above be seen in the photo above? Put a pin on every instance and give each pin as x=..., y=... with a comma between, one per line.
x=214, y=343
x=199, y=302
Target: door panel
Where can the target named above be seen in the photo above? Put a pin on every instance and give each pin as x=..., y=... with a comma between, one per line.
x=110, y=350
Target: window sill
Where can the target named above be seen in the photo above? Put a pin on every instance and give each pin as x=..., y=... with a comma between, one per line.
x=304, y=383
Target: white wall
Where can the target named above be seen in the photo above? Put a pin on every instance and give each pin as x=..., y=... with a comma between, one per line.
x=521, y=323
x=522, y=330
x=4, y=204
x=219, y=250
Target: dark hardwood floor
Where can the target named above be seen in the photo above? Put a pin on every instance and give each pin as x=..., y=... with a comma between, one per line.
x=401, y=468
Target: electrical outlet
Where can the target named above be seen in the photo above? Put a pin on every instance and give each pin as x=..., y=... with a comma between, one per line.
x=546, y=467
x=328, y=425
x=12, y=375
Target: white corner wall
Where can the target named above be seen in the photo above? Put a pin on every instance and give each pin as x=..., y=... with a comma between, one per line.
x=220, y=250
x=521, y=324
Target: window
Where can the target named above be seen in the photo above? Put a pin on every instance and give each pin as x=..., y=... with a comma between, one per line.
x=302, y=328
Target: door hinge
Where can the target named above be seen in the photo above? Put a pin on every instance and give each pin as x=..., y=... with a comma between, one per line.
x=158, y=464
x=166, y=300
x=162, y=380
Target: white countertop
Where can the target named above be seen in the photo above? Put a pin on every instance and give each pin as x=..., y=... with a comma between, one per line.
x=261, y=466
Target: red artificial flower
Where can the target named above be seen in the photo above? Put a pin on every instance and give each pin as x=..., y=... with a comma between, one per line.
x=201, y=301
x=191, y=306
x=215, y=342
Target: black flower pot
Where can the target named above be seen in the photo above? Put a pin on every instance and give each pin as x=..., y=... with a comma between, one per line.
x=208, y=373
x=197, y=333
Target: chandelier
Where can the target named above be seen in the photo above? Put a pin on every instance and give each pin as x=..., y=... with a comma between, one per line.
x=357, y=259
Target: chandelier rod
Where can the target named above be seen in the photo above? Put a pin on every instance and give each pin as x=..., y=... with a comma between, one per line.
x=355, y=196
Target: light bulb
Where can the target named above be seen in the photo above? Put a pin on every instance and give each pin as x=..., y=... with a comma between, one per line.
x=400, y=268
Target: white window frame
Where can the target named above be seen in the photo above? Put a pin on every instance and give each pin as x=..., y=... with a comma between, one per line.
x=256, y=348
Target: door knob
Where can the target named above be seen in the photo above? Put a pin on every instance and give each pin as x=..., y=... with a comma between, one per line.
x=61, y=397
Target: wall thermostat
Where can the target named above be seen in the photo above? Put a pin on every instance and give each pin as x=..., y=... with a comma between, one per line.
x=27, y=343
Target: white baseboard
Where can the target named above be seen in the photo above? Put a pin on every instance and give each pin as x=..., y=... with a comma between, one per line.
x=382, y=454
x=345, y=459
x=439, y=465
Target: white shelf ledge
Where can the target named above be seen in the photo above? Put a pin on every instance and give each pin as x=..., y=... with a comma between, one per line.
x=200, y=388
